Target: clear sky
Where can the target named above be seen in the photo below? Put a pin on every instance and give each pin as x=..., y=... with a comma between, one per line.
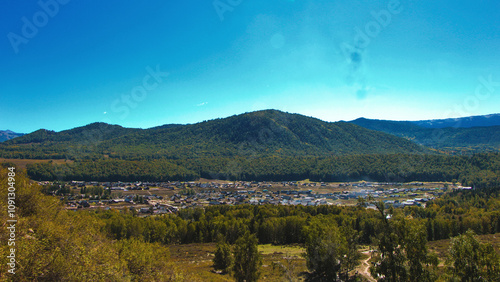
x=68, y=63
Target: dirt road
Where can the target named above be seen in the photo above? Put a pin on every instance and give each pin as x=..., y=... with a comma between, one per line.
x=365, y=267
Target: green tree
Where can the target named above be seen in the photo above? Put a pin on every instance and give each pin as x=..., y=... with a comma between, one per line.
x=401, y=248
x=419, y=260
x=329, y=254
x=247, y=259
x=223, y=259
x=472, y=260
x=351, y=259
x=146, y=261
x=57, y=245
x=389, y=265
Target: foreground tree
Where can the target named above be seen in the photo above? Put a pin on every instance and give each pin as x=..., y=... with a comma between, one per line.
x=223, y=259
x=471, y=260
x=247, y=259
x=389, y=263
x=330, y=255
x=401, y=253
x=53, y=244
x=419, y=262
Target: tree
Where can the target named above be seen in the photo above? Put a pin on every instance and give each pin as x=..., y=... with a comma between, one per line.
x=473, y=261
x=223, y=259
x=330, y=256
x=352, y=257
x=390, y=263
x=402, y=251
x=419, y=260
x=58, y=245
x=247, y=259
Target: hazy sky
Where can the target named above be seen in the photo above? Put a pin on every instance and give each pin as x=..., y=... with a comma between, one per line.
x=68, y=63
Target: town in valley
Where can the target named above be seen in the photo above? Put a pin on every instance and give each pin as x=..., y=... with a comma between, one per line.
x=168, y=197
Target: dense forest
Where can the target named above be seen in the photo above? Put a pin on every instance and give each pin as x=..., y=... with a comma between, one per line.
x=54, y=244
x=264, y=145
x=442, y=218
x=264, y=133
x=255, y=134
x=450, y=139
x=480, y=170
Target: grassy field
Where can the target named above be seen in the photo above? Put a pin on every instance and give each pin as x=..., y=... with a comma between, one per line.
x=196, y=259
x=441, y=247
x=21, y=163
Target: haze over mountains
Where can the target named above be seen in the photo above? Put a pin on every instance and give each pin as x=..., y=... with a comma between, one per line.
x=472, y=121
x=8, y=134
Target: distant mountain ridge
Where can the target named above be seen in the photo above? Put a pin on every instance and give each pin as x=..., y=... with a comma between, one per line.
x=464, y=122
x=8, y=134
x=461, y=138
x=98, y=132
x=262, y=133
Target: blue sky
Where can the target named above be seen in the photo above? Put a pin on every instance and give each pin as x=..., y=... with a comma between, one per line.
x=69, y=63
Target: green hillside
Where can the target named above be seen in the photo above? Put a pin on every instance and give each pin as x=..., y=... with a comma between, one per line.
x=263, y=133
x=463, y=140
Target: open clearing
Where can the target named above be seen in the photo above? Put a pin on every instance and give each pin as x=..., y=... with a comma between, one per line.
x=196, y=259
x=22, y=163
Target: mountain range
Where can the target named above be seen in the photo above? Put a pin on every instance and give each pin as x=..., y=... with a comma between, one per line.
x=472, y=121
x=462, y=139
x=8, y=134
x=261, y=133
x=265, y=145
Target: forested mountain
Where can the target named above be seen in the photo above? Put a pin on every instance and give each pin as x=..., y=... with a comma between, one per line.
x=263, y=145
x=263, y=133
x=472, y=121
x=8, y=134
x=461, y=139
x=80, y=142
x=97, y=131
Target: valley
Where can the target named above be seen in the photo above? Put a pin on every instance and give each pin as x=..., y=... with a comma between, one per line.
x=294, y=194
x=158, y=198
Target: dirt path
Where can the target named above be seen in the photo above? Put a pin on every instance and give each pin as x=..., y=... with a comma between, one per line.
x=365, y=267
